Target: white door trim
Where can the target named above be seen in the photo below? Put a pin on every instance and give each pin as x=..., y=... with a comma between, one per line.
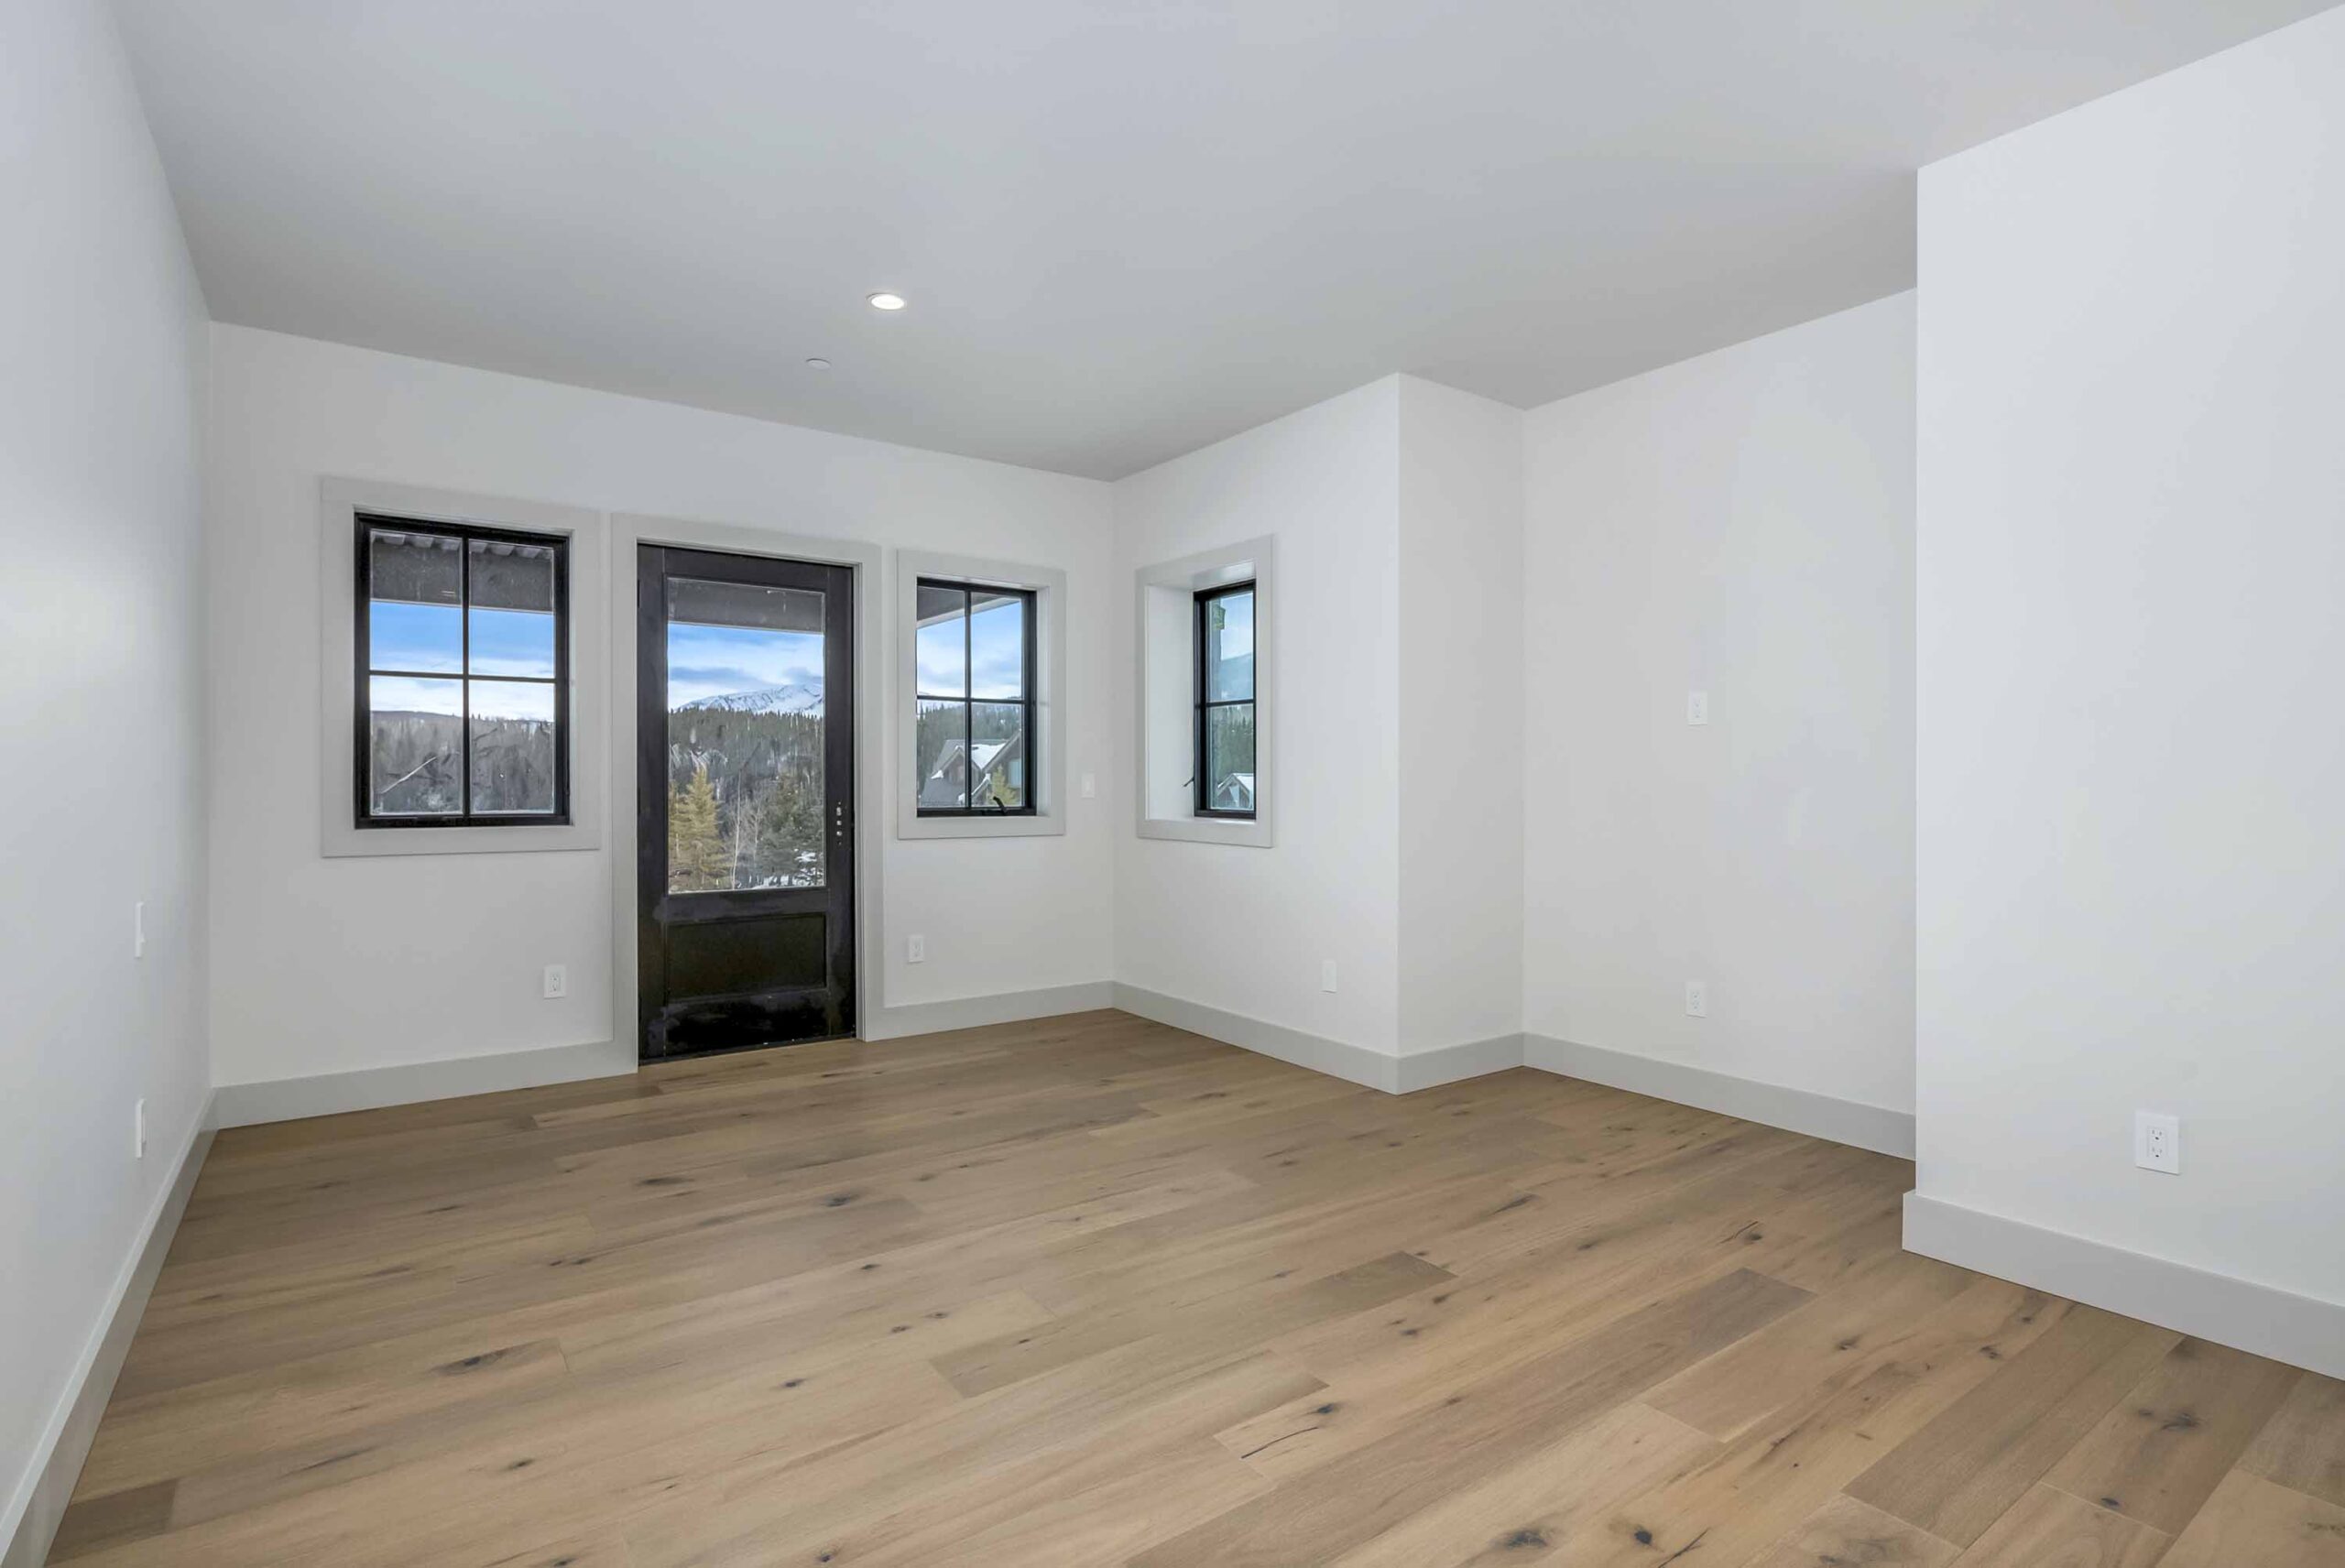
x=629, y=529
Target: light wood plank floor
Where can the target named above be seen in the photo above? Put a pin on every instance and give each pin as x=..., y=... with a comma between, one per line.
x=1095, y=1292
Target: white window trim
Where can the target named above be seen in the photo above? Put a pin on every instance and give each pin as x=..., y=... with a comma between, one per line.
x=1152, y=709
x=341, y=501
x=1048, y=584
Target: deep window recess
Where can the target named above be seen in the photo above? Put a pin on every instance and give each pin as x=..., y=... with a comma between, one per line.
x=973, y=694
x=462, y=676
x=1226, y=776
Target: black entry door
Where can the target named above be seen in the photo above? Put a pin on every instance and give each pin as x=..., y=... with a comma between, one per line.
x=745, y=791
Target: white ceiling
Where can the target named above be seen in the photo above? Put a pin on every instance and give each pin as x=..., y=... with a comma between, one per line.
x=1125, y=228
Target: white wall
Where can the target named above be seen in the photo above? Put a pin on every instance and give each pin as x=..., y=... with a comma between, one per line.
x=1460, y=614
x=1246, y=929
x=2132, y=763
x=323, y=966
x=101, y=678
x=1741, y=524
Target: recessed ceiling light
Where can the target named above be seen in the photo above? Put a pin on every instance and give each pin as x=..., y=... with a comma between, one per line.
x=884, y=301
x=818, y=364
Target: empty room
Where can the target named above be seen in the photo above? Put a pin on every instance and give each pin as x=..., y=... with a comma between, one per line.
x=1176, y=783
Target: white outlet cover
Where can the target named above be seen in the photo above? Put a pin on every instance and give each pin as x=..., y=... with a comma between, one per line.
x=557, y=981
x=1090, y=786
x=138, y=1129
x=1697, y=998
x=915, y=950
x=2158, y=1142
x=1328, y=974
x=1697, y=707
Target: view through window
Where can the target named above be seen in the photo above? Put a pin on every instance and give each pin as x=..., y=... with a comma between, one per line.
x=745, y=736
x=462, y=696
x=1225, y=777
x=973, y=751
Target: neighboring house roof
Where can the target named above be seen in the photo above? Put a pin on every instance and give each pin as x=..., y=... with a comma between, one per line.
x=944, y=787
x=1235, y=793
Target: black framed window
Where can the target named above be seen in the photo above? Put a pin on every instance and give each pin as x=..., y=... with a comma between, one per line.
x=1225, y=775
x=462, y=675
x=973, y=699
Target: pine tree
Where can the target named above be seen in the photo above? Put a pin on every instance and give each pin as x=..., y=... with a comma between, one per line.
x=791, y=821
x=696, y=856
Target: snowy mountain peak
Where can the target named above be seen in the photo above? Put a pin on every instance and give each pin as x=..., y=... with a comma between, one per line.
x=791, y=698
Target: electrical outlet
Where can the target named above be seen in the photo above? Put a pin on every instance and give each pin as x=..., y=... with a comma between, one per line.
x=138, y=1129
x=138, y=929
x=1697, y=998
x=1328, y=974
x=2158, y=1142
x=557, y=981
x=915, y=950
x=1697, y=707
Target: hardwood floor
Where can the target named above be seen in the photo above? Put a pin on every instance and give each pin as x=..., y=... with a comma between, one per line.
x=1093, y=1292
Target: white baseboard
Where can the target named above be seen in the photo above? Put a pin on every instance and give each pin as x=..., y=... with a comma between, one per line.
x=974, y=1012
x=1428, y=1068
x=1354, y=1064
x=55, y=1464
x=1876, y=1128
x=2262, y=1320
x=411, y=1082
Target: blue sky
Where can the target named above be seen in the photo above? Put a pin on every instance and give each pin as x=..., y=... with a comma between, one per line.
x=713, y=662
x=405, y=636
x=1231, y=668
x=430, y=638
x=996, y=648
x=702, y=660
x=491, y=699
x=1237, y=625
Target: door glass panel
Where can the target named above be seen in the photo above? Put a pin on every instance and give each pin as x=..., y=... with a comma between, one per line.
x=941, y=752
x=997, y=645
x=745, y=736
x=1229, y=758
x=512, y=609
x=512, y=746
x=416, y=735
x=997, y=755
x=1229, y=648
x=415, y=617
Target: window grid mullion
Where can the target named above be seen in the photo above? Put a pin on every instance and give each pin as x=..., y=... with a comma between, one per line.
x=464, y=611
x=1025, y=702
x=458, y=675
x=968, y=701
x=463, y=538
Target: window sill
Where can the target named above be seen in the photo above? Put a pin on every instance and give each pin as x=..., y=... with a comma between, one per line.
x=343, y=838
x=1041, y=825
x=1253, y=835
